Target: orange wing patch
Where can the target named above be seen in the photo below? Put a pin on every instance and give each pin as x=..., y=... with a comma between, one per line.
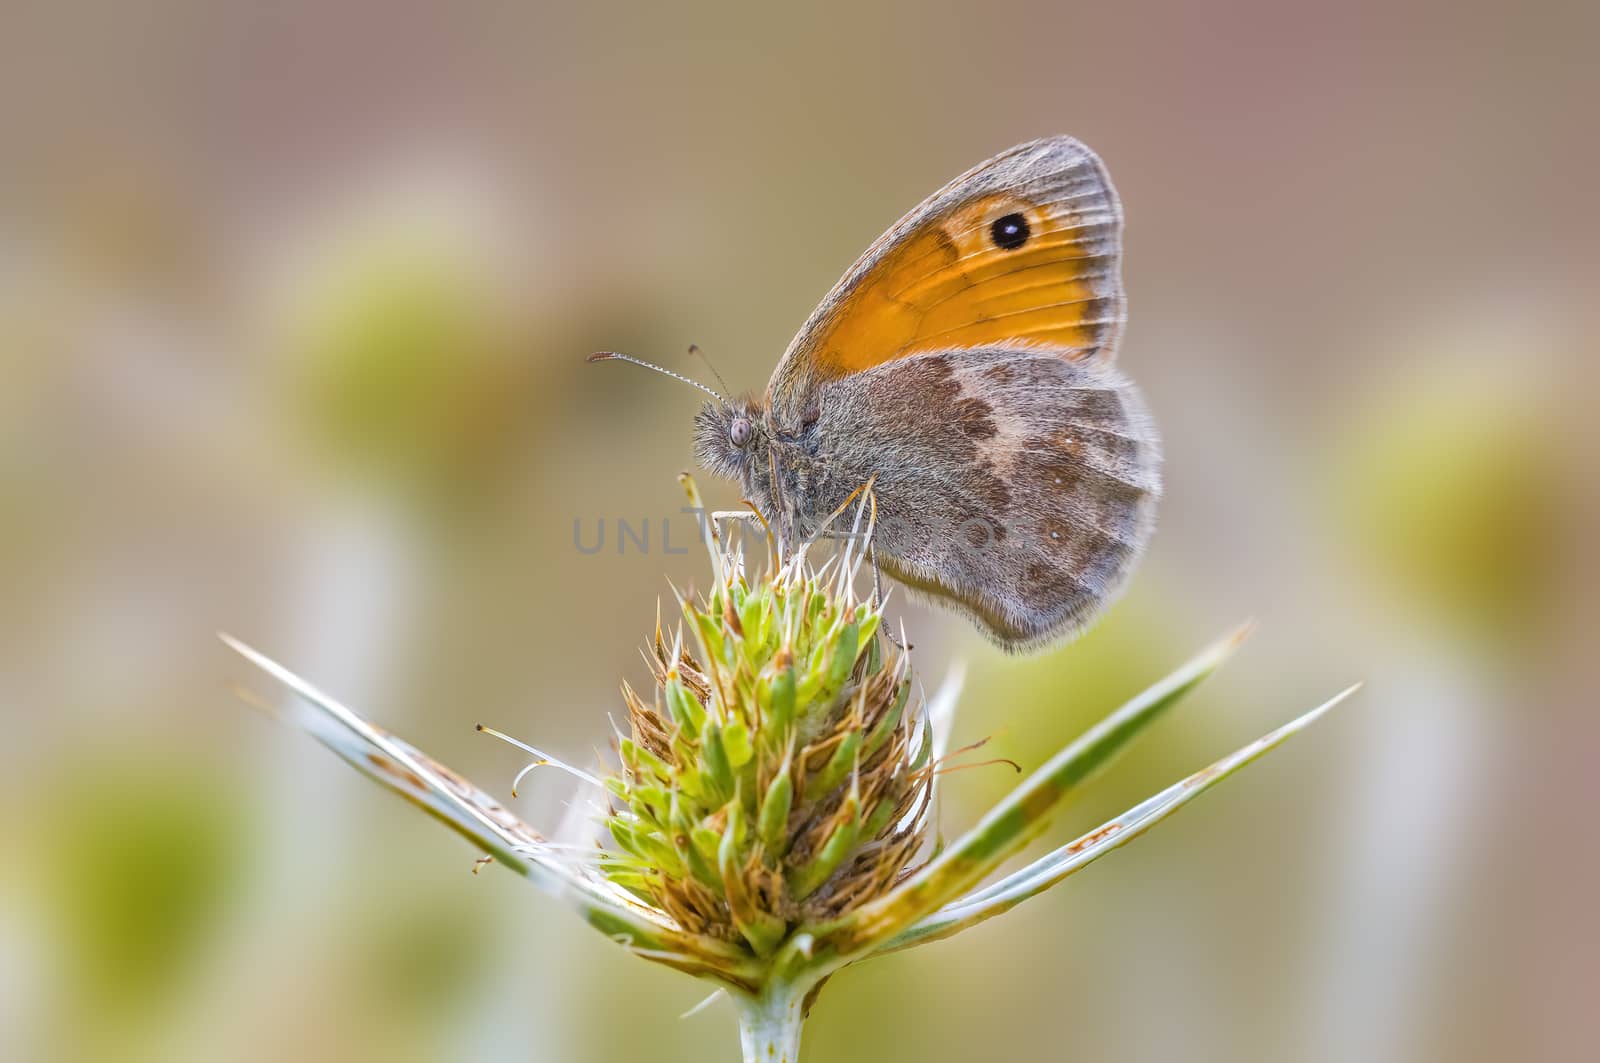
x=1024, y=250
x=954, y=285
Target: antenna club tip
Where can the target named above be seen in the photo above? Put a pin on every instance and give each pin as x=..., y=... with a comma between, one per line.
x=601, y=356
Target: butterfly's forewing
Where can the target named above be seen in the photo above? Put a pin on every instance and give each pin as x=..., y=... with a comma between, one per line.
x=1021, y=250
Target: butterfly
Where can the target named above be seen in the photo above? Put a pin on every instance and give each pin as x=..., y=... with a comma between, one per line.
x=965, y=367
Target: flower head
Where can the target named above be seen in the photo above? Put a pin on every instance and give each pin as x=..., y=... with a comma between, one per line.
x=773, y=796
x=774, y=778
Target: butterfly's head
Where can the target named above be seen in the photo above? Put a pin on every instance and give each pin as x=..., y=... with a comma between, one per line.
x=726, y=435
x=726, y=431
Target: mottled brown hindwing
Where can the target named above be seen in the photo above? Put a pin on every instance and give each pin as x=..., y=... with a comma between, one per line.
x=1017, y=486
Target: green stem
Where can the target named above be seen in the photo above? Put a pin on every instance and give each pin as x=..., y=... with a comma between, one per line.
x=769, y=1024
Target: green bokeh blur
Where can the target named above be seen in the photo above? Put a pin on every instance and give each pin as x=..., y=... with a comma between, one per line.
x=294, y=302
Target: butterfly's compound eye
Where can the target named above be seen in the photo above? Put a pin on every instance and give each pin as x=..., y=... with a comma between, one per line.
x=739, y=431
x=1009, y=232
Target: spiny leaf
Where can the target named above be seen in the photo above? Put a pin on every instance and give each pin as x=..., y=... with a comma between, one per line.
x=1052, y=868
x=1022, y=814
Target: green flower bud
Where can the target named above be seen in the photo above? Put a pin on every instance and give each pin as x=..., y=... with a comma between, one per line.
x=740, y=789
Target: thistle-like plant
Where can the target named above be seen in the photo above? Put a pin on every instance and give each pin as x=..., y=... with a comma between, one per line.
x=772, y=808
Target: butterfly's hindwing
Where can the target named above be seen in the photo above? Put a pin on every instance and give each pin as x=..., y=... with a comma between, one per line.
x=1015, y=485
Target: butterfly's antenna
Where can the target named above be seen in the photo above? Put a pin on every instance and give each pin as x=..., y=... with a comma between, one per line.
x=613, y=356
x=694, y=349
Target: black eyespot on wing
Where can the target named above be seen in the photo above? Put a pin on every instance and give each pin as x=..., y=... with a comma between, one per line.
x=1009, y=232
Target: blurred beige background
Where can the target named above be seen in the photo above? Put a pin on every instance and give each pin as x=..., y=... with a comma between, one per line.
x=294, y=300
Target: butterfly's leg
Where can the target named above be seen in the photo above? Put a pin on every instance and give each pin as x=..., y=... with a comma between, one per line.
x=877, y=598
x=739, y=515
x=718, y=515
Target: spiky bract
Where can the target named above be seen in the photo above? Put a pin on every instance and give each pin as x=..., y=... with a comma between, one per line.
x=775, y=778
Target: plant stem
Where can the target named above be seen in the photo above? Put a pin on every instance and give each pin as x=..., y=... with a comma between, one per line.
x=769, y=1025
